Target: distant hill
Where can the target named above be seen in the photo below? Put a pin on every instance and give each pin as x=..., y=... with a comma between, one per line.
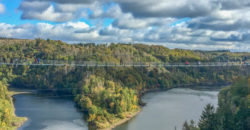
x=109, y=95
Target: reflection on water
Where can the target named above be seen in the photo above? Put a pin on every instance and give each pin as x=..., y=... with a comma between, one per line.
x=164, y=111
x=62, y=125
x=48, y=113
x=168, y=110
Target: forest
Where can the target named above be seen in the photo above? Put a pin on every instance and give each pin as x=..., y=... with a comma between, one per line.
x=109, y=94
x=233, y=110
x=8, y=120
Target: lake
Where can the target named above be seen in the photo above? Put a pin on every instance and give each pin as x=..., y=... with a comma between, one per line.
x=48, y=113
x=166, y=110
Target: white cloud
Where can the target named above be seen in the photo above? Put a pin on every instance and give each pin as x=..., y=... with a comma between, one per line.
x=44, y=10
x=167, y=8
x=64, y=31
x=229, y=20
x=171, y=36
x=50, y=15
x=66, y=1
x=69, y=7
x=218, y=24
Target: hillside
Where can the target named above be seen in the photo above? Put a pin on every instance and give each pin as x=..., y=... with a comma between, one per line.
x=8, y=120
x=232, y=112
x=108, y=95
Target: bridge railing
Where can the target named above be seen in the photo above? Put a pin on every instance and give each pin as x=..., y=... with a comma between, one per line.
x=95, y=63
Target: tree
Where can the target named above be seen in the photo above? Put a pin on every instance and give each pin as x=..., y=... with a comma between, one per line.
x=191, y=126
x=208, y=119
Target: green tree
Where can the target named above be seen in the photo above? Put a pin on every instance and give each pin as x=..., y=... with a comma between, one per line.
x=208, y=119
x=191, y=126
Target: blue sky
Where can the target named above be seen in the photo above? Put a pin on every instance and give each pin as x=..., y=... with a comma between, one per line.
x=13, y=16
x=179, y=21
x=191, y=24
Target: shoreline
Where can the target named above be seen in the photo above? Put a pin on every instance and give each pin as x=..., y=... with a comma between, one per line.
x=123, y=121
x=12, y=92
x=203, y=86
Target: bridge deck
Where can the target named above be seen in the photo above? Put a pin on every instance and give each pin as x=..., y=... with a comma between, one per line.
x=141, y=64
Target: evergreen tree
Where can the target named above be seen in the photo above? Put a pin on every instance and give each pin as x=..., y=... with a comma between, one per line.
x=191, y=126
x=208, y=119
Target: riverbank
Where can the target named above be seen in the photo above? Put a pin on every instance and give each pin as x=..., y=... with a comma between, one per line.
x=201, y=86
x=9, y=120
x=19, y=121
x=168, y=110
x=118, y=121
x=14, y=91
x=128, y=117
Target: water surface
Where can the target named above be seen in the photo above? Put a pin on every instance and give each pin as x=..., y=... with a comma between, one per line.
x=48, y=113
x=168, y=110
x=165, y=110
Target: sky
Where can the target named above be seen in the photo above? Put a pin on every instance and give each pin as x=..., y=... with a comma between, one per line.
x=187, y=24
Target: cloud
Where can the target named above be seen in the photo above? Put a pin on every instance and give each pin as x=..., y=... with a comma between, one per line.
x=171, y=36
x=111, y=31
x=233, y=4
x=232, y=36
x=2, y=8
x=49, y=14
x=227, y=20
x=167, y=8
x=127, y=21
x=199, y=24
x=21, y=31
x=65, y=31
x=137, y=8
x=66, y=1
x=47, y=11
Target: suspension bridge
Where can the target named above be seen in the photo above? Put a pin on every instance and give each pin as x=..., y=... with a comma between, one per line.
x=128, y=64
